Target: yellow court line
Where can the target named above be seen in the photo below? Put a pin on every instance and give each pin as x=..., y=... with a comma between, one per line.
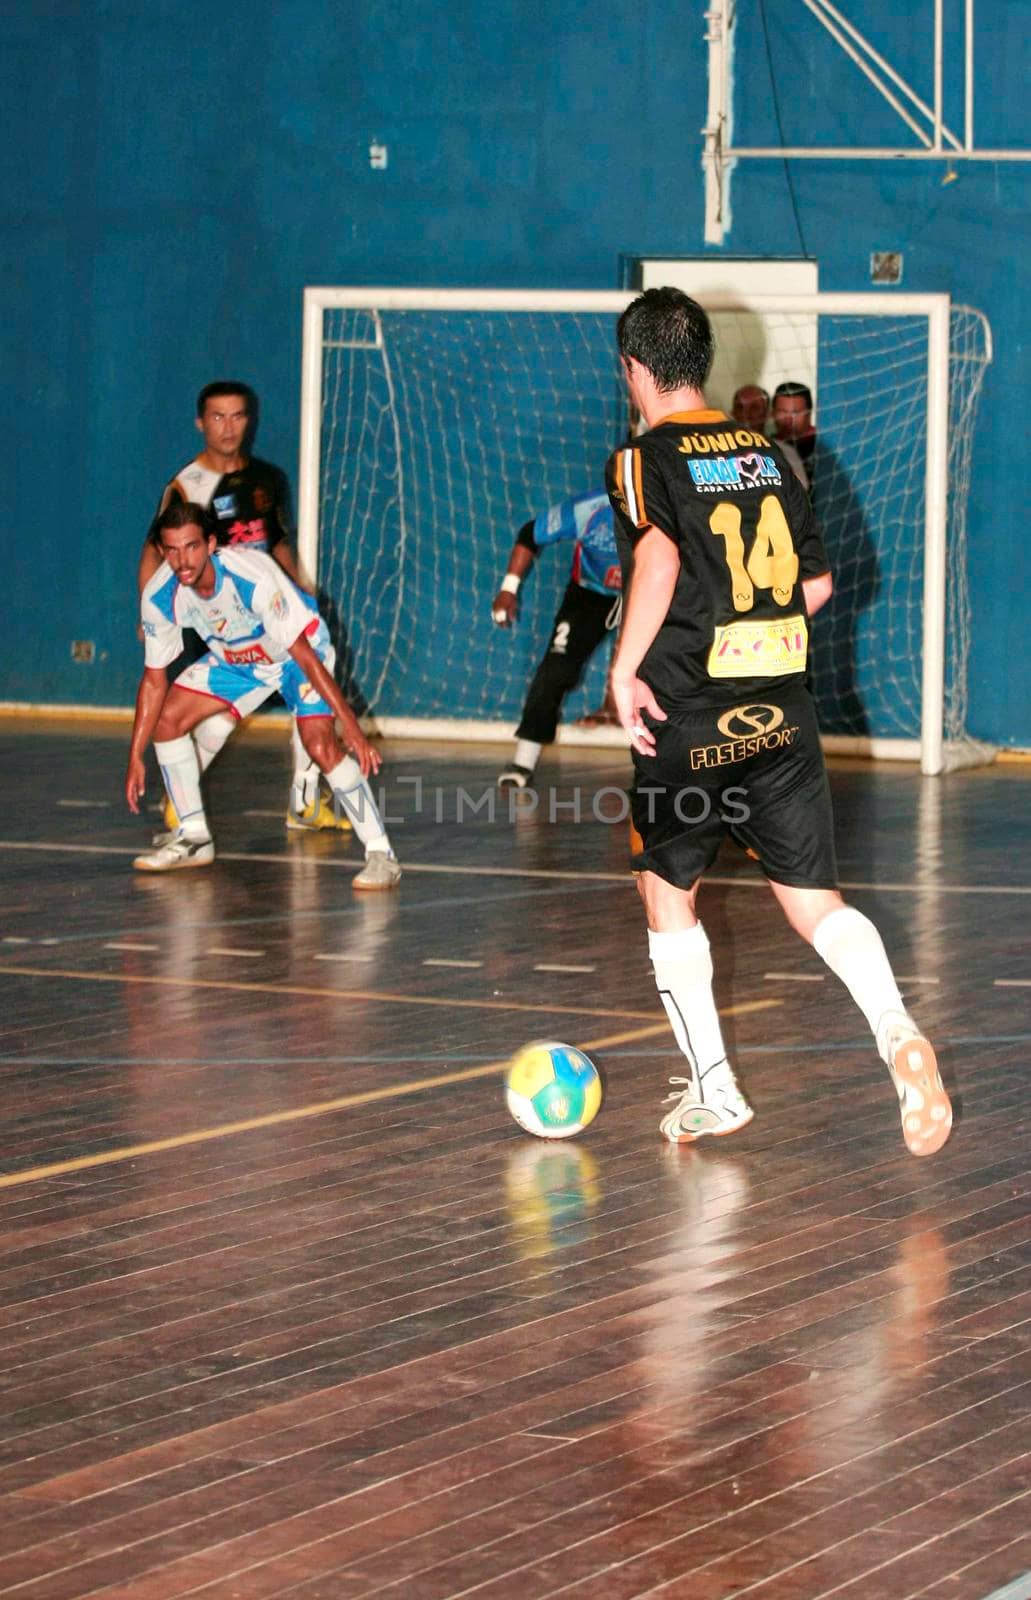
x=321, y=1108
x=238, y=987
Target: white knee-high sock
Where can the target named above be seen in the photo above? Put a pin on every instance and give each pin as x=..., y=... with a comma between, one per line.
x=851, y=946
x=683, y=974
x=210, y=735
x=181, y=772
x=305, y=781
x=527, y=752
x=351, y=791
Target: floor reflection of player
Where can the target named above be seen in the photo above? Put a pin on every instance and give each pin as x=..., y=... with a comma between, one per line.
x=264, y=636
x=679, y=1347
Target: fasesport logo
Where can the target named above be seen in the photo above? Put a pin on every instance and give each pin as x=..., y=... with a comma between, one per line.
x=747, y=730
x=743, y=720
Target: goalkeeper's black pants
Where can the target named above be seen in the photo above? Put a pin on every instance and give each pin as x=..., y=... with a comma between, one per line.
x=581, y=623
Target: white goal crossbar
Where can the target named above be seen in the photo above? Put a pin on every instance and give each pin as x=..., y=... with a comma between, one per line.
x=934, y=308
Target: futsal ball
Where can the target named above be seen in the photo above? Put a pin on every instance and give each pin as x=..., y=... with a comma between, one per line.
x=552, y=1090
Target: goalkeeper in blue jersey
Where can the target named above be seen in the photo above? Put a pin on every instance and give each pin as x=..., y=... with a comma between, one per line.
x=590, y=609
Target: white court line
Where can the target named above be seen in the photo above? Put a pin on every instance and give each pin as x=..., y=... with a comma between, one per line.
x=440, y=961
x=331, y=955
x=449, y=869
x=917, y=980
x=225, y=950
x=794, y=977
x=1013, y=983
x=123, y=944
x=50, y=941
x=14, y=938
x=86, y=805
x=559, y=966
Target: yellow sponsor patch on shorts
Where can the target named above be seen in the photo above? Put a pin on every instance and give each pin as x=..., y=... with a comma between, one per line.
x=759, y=649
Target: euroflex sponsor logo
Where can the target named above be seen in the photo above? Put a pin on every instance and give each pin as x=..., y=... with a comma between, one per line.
x=746, y=730
x=719, y=473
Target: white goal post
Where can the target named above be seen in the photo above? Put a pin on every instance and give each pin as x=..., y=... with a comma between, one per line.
x=347, y=436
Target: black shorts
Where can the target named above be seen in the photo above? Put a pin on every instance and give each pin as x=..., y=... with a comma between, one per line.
x=754, y=772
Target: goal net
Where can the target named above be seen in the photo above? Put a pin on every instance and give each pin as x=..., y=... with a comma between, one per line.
x=436, y=422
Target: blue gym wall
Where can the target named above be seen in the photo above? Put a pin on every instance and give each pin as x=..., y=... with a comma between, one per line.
x=175, y=176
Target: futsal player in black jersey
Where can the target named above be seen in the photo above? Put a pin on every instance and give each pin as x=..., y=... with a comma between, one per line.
x=723, y=564
x=248, y=502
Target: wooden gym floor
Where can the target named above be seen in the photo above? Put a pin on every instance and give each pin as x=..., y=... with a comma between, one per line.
x=290, y=1307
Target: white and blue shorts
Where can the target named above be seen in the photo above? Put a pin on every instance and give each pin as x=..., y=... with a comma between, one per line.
x=245, y=685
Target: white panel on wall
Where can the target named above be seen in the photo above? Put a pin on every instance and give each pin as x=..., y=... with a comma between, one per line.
x=748, y=350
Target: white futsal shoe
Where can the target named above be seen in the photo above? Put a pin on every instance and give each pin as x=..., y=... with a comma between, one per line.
x=924, y=1106
x=379, y=872
x=713, y=1105
x=180, y=851
x=514, y=777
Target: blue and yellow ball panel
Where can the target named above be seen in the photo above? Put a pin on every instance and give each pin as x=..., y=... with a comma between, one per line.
x=553, y=1090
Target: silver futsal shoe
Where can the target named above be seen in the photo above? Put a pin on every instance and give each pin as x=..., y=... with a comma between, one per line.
x=379, y=872
x=179, y=851
x=716, y=1106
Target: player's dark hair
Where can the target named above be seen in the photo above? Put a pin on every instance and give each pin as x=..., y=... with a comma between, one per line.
x=669, y=334
x=788, y=391
x=183, y=514
x=227, y=386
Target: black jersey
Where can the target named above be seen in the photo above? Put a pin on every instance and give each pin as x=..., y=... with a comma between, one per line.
x=250, y=505
x=747, y=537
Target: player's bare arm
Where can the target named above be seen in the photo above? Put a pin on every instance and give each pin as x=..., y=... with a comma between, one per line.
x=150, y=698
x=367, y=757
x=817, y=592
x=505, y=605
x=654, y=578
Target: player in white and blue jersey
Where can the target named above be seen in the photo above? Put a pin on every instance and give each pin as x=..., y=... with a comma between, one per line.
x=590, y=608
x=248, y=499
x=263, y=636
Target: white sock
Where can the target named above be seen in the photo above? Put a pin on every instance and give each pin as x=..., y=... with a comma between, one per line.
x=180, y=769
x=304, y=784
x=210, y=735
x=851, y=946
x=683, y=974
x=526, y=753
x=351, y=791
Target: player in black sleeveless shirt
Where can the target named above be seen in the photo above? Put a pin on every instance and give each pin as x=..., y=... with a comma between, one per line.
x=723, y=564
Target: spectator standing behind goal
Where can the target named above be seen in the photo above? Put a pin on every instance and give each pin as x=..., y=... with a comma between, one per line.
x=795, y=433
x=589, y=610
x=264, y=636
x=248, y=501
x=751, y=407
x=724, y=564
